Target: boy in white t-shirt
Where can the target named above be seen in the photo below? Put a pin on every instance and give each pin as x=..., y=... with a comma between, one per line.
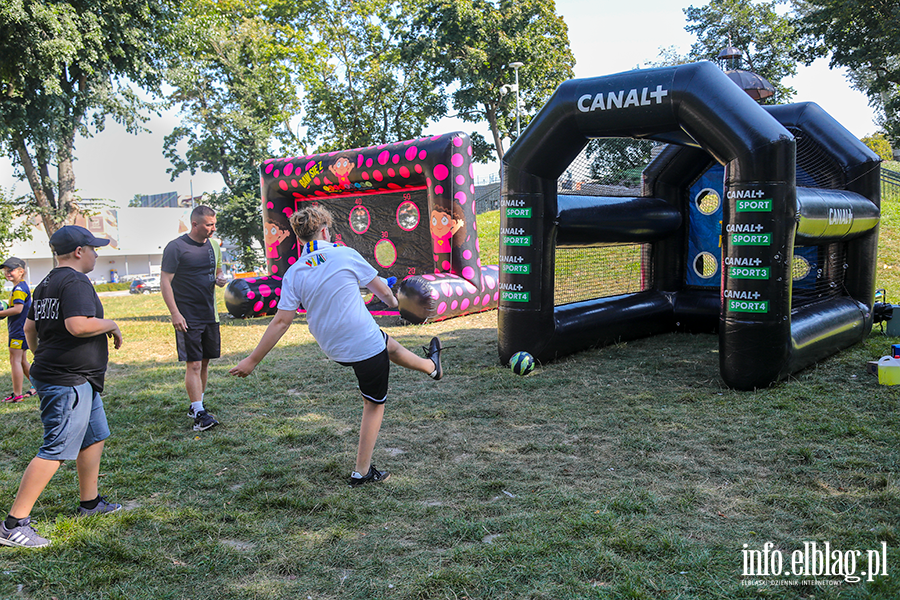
x=325, y=281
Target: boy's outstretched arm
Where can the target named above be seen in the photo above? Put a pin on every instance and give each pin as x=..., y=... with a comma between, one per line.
x=378, y=287
x=277, y=328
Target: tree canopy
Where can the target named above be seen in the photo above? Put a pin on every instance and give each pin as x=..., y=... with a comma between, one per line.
x=470, y=45
x=863, y=36
x=361, y=89
x=767, y=39
x=66, y=67
x=236, y=95
x=11, y=229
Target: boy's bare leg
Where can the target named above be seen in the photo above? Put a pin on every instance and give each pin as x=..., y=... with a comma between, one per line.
x=372, y=416
x=405, y=358
x=88, y=466
x=36, y=477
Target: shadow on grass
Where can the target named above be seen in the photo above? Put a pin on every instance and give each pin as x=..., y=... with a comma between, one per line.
x=623, y=472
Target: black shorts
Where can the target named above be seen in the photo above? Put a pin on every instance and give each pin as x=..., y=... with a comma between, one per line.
x=372, y=375
x=201, y=341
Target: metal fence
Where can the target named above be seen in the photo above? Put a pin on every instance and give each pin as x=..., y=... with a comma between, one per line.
x=890, y=185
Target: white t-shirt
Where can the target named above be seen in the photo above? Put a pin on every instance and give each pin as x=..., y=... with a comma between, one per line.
x=325, y=280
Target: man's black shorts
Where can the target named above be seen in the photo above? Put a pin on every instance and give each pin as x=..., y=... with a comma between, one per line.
x=372, y=374
x=199, y=342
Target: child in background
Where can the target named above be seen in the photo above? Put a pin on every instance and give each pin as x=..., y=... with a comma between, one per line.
x=19, y=303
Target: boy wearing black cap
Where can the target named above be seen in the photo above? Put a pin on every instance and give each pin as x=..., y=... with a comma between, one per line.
x=67, y=332
x=17, y=311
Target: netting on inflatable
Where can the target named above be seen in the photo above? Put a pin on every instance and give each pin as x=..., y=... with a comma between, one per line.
x=667, y=199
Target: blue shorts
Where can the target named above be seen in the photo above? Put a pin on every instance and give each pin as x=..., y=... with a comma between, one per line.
x=73, y=419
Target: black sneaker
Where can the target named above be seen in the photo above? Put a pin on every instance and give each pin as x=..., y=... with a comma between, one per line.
x=102, y=507
x=204, y=420
x=433, y=351
x=373, y=476
x=22, y=535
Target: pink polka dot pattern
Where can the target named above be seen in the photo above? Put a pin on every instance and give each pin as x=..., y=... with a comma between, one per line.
x=441, y=164
x=453, y=295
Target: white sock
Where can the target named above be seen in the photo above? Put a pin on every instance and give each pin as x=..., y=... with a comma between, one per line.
x=196, y=407
x=356, y=475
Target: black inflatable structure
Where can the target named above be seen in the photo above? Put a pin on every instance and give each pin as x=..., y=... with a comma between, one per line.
x=770, y=323
x=407, y=207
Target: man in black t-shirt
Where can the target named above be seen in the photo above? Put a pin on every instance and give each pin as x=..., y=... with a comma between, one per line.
x=191, y=268
x=66, y=331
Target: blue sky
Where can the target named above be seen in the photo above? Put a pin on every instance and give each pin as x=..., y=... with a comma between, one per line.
x=605, y=36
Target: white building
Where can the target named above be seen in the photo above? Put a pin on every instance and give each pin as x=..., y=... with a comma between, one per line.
x=137, y=239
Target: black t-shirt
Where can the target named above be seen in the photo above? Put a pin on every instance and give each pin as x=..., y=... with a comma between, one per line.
x=61, y=358
x=194, y=281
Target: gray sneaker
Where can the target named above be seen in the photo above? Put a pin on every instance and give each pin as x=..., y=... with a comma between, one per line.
x=22, y=535
x=102, y=507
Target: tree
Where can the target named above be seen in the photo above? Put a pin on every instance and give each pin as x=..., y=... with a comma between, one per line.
x=236, y=95
x=767, y=39
x=239, y=219
x=66, y=66
x=363, y=90
x=12, y=229
x=618, y=161
x=878, y=144
x=470, y=45
x=861, y=35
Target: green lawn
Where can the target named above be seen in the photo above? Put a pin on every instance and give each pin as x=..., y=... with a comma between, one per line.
x=627, y=472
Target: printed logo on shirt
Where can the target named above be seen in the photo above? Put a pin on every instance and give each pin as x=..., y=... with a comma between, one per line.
x=314, y=260
x=46, y=308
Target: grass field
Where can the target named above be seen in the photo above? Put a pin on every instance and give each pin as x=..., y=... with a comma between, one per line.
x=628, y=472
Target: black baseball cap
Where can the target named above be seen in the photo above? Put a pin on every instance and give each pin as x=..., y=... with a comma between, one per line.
x=13, y=263
x=69, y=237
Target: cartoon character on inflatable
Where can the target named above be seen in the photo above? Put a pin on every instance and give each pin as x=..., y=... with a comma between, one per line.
x=408, y=207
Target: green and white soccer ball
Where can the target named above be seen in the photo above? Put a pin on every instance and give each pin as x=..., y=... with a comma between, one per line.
x=3, y=306
x=521, y=363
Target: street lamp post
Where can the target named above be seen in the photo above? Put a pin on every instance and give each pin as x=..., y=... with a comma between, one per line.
x=516, y=66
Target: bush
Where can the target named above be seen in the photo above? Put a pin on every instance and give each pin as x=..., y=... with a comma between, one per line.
x=879, y=145
x=112, y=287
